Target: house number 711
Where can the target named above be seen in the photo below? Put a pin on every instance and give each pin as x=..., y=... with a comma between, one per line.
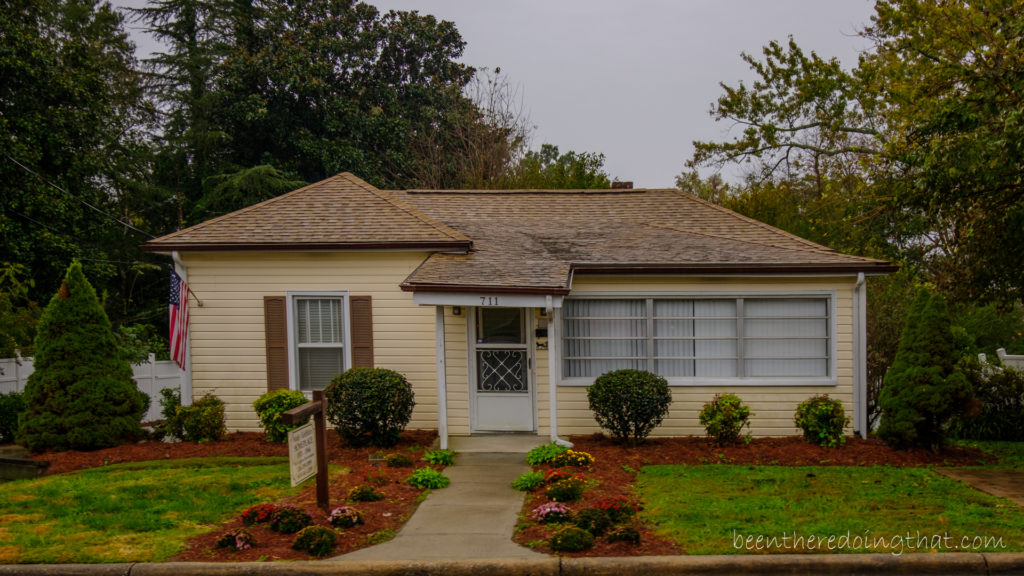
x=488, y=300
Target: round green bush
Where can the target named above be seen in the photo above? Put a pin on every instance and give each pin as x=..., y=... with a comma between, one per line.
x=289, y=519
x=11, y=406
x=629, y=403
x=571, y=539
x=317, y=540
x=626, y=534
x=565, y=490
x=369, y=406
x=593, y=520
x=398, y=460
x=364, y=493
x=269, y=408
x=724, y=418
x=822, y=420
x=203, y=421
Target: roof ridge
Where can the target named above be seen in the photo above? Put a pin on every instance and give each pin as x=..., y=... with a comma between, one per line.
x=410, y=209
x=813, y=245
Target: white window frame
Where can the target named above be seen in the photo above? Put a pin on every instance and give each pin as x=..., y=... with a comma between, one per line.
x=774, y=381
x=293, y=345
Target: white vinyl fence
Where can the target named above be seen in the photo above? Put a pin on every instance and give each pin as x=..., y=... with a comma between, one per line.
x=150, y=377
x=1011, y=360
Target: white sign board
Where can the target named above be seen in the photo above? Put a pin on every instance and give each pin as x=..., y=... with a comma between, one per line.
x=302, y=453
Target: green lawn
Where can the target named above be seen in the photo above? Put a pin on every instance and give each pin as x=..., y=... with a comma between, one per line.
x=1004, y=454
x=139, y=512
x=724, y=509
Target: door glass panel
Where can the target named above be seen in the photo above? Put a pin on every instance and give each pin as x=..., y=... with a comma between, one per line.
x=501, y=371
x=500, y=326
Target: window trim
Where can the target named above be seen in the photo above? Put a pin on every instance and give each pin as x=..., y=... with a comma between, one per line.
x=744, y=381
x=293, y=347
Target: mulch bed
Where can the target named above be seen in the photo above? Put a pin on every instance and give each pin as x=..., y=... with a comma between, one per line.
x=615, y=467
x=613, y=475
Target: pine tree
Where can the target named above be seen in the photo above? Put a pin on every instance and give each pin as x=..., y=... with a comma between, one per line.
x=81, y=395
x=924, y=388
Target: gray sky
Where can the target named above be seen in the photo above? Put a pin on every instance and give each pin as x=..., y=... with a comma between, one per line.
x=634, y=79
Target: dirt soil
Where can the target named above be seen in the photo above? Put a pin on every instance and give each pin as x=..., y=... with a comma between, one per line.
x=612, y=474
x=615, y=467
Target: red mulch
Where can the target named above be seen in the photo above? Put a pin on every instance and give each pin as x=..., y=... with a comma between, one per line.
x=399, y=503
x=614, y=472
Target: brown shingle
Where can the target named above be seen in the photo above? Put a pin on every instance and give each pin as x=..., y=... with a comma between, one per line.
x=340, y=212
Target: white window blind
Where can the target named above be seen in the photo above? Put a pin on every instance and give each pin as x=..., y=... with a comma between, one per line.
x=319, y=340
x=687, y=338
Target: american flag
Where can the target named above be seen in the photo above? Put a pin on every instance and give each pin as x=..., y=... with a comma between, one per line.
x=179, y=319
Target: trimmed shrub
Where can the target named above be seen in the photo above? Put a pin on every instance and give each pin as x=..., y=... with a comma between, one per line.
x=364, y=493
x=236, y=540
x=593, y=520
x=573, y=458
x=259, y=514
x=724, y=418
x=439, y=457
x=369, y=406
x=428, y=478
x=626, y=534
x=81, y=395
x=316, y=540
x=345, y=517
x=544, y=453
x=629, y=403
x=565, y=490
x=269, y=408
x=571, y=539
x=12, y=405
x=822, y=419
x=551, y=513
x=997, y=410
x=528, y=481
x=289, y=519
x=398, y=460
x=924, y=388
x=203, y=421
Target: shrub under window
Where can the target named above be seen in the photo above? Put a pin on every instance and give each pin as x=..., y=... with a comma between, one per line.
x=369, y=405
x=629, y=403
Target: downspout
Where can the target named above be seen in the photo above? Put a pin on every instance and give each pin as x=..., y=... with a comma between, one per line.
x=442, y=379
x=186, y=383
x=554, y=369
x=860, y=347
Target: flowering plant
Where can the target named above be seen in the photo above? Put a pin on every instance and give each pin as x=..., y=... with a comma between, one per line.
x=551, y=513
x=617, y=507
x=258, y=514
x=556, y=474
x=565, y=490
x=236, y=540
x=345, y=517
x=573, y=458
x=375, y=475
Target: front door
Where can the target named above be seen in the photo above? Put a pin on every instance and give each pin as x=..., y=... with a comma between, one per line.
x=502, y=367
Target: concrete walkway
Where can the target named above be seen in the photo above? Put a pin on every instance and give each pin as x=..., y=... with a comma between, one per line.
x=1004, y=482
x=475, y=516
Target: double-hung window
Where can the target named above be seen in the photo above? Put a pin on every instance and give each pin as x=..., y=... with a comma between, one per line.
x=697, y=339
x=319, y=334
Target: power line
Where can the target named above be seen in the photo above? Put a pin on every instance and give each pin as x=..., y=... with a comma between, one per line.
x=99, y=210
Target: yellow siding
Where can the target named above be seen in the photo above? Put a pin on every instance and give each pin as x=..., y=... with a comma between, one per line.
x=228, y=349
x=772, y=407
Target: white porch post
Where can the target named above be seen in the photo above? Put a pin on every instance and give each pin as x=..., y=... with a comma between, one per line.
x=860, y=360
x=442, y=381
x=554, y=370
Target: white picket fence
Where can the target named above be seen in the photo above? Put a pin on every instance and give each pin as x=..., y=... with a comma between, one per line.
x=151, y=377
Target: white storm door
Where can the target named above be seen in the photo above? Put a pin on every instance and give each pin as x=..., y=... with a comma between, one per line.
x=502, y=371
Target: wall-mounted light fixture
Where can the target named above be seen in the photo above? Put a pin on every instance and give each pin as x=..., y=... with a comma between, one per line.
x=456, y=310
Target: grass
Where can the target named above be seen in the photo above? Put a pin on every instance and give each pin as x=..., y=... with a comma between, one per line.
x=724, y=509
x=1007, y=454
x=136, y=512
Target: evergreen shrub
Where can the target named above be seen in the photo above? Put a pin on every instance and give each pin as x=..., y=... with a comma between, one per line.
x=822, y=420
x=571, y=539
x=724, y=418
x=997, y=410
x=369, y=406
x=316, y=540
x=12, y=405
x=593, y=520
x=629, y=403
x=203, y=421
x=269, y=408
x=289, y=520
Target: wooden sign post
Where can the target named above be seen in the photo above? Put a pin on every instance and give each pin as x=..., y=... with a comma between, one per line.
x=318, y=410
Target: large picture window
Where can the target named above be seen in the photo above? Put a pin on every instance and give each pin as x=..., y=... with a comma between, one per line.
x=319, y=337
x=758, y=337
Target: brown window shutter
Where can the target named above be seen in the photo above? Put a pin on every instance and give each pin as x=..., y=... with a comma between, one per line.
x=361, y=312
x=275, y=330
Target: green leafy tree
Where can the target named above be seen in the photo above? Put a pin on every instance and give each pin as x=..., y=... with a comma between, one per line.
x=547, y=169
x=924, y=388
x=81, y=395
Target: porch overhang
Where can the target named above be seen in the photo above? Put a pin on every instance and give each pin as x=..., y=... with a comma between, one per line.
x=488, y=299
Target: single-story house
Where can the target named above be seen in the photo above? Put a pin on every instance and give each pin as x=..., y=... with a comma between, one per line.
x=502, y=306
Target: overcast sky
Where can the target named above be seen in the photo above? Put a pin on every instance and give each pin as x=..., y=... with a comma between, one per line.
x=633, y=79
